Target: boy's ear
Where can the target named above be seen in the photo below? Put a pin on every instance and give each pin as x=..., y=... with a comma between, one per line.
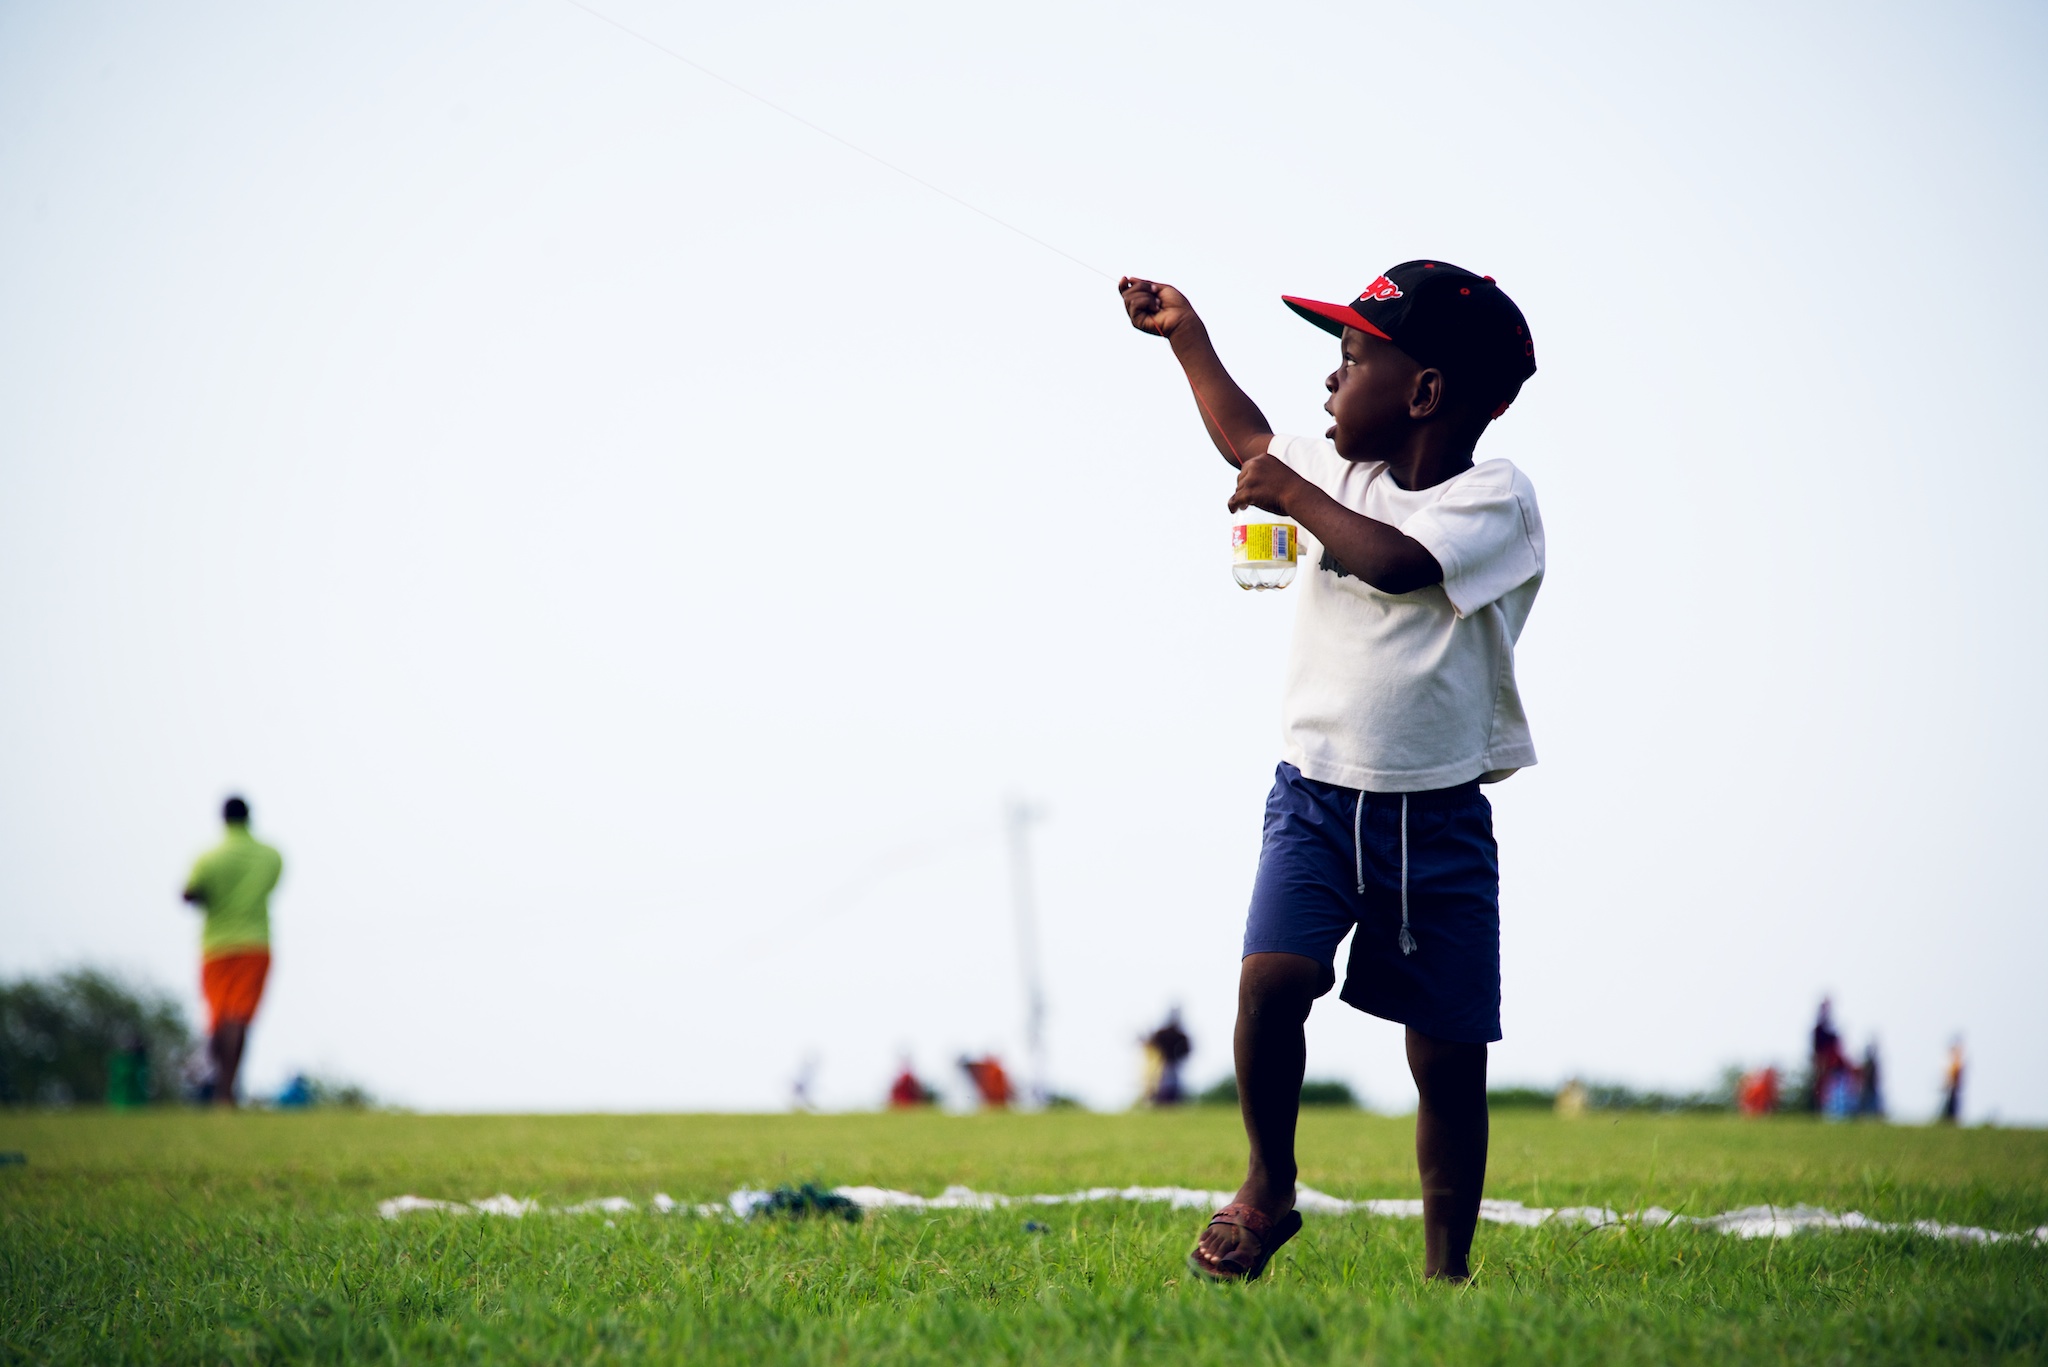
x=1426, y=395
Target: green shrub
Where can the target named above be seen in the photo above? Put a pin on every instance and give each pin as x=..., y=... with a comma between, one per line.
x=1606, y=1096
x=1314, y=1092
x=1328, y=1092
x=63, y=1038
x=1520, y=1098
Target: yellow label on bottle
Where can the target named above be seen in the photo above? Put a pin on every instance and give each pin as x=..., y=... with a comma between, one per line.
x=1274, y=543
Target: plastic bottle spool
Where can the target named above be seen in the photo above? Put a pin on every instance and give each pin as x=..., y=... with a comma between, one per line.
x=1263, y=553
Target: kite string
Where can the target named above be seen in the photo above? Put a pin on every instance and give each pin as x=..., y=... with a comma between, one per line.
x=911, y=176
x=1196, y=390
x=843, y=142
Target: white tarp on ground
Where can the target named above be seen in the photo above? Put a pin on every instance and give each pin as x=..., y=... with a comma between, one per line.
x=1750, y=1222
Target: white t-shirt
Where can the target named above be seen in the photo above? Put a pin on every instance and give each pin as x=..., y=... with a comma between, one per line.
x=1399, y=693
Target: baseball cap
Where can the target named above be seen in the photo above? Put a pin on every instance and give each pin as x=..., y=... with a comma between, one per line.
x=1443, y=316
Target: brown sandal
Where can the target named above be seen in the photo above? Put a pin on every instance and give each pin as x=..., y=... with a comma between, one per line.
x=1269, y=1232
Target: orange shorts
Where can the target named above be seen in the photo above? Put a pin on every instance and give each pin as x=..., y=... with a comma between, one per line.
x=233, y=984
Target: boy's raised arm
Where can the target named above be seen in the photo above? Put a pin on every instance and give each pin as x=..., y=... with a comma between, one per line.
x=1235, y=423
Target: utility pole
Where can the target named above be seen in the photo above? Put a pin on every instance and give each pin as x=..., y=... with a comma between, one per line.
x=1020, y=816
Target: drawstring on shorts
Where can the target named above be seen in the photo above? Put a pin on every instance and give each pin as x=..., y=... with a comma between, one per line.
x=1358, y=845
x=1407, y=940
x=1358, y=855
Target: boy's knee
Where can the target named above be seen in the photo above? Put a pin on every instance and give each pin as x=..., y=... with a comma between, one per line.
x=1457, y=1053
x=1447, y=1068
x=1281, y=985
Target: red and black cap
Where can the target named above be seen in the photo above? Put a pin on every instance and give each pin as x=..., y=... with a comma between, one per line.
x=1445, y=317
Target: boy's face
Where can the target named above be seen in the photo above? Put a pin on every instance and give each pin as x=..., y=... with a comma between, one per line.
x=1372, y=397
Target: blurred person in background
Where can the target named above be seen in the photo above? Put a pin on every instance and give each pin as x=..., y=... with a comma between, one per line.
x=232, y=883
x=1870, y=1100
x=800, y=1086
x=1952, y=1104
x=1829, y=1062
x=1166, y=1049
x=1757, y=1094
x=128, y=1072
x=908, y=1090
x=991, y=1083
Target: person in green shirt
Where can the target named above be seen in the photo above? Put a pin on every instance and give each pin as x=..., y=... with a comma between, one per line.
x=232, y=883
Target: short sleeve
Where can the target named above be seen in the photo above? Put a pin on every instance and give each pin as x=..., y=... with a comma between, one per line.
x=1486, y=535
x=1313, y=458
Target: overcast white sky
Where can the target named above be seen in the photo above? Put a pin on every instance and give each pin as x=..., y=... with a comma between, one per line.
x=626, y=545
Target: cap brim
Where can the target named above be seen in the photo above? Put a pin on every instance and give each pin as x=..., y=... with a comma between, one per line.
x=1332, y=318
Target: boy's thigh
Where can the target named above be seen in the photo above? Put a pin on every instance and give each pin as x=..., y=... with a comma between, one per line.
x=1449, y=987
x=1304, y=899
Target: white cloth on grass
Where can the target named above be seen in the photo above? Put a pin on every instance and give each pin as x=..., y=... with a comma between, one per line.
x=1750, y=1222
x=1397, y=693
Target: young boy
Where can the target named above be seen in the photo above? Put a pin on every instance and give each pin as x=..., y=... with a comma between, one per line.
x=1400, y=701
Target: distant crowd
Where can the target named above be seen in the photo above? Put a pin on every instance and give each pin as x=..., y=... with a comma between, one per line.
x=1837, y=1087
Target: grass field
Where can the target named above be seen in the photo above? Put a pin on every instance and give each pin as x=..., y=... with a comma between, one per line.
x=181, y=1237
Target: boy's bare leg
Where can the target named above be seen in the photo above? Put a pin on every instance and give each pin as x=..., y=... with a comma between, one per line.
x=1274, y=994
x=1450, y=1148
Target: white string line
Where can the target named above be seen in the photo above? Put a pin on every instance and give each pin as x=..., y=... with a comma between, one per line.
x=826, y=132
x=1747, y=1222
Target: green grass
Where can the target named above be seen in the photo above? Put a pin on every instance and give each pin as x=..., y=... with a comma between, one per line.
x=178, y=1237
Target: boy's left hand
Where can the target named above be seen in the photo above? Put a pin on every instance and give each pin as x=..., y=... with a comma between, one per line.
x=1266, y=482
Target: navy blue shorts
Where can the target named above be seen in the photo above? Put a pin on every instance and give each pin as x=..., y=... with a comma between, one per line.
x=1308, y=897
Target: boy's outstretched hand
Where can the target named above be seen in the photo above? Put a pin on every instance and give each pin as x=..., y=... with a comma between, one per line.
x=1153, y=307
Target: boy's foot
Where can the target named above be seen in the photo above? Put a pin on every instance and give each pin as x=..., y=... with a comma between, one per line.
x=1240, y=1240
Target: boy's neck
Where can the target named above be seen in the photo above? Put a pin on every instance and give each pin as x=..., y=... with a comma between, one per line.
x=1431, y=455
